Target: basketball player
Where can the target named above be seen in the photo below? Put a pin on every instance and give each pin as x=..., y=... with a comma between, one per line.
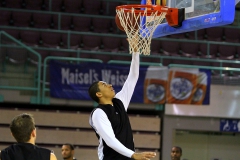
x=24, y=131
x=110, y=120
x=176, y=153
x=68, y=151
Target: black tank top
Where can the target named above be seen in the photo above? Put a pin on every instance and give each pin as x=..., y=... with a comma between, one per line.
x=121, y=127
x=25, y=151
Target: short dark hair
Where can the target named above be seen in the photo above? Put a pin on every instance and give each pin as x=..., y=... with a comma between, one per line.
x=22, y=127
x=179, y=148
x=93, y=89
x=70, y=145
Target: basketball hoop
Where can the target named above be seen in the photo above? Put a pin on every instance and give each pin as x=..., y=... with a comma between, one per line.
x=140, y=21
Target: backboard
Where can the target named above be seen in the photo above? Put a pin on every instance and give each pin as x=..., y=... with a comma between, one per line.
x=199, y=14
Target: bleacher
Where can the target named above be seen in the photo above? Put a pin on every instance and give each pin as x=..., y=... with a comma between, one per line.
x=55, y=128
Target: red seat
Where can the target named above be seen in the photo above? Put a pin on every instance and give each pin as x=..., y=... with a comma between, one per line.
x=155, y=46
x=91, y=42
x=214, y=33
x=109, y=7
x=21, y=19
x=101, y=25
x=51, y=39
x=31, y=38
x=92, y=7
x=34, y=4
x=111, y=44
x=189, y=49
x=213, y=50
x=170, y=48
x=65, y=22
x=74, y=41
x=14, y=3
x=56, y=5
x=5, y=17
x=227, y=52
x=12, y=32
x=232, y=35
x=42, y=20
x=197, y=35
x=81, y=23
x=72, y=6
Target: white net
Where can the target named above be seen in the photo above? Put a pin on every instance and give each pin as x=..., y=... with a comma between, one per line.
x=139, y=28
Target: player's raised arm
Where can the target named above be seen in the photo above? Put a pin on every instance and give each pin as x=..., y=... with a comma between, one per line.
x=125, y=94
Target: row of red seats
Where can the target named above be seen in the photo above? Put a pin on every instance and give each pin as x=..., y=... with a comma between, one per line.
x=60, y=40
x=51, y=21
x=228, y=34
x=196, y=49
x=103, y=25
x=23, y=56
x=69, y=6
x=120, y=44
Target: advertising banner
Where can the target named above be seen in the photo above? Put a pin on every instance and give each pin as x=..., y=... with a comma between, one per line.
x=156, y=85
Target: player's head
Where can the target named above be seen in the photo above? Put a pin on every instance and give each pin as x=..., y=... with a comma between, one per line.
x=101, y=90
x=176, y=153
x=67, y=151
x=23, y=127
x=92, y=91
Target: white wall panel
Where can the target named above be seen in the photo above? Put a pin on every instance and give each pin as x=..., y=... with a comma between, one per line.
x=224, y=102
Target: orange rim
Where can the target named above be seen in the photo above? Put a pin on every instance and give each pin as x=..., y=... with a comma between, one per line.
x=138, y=8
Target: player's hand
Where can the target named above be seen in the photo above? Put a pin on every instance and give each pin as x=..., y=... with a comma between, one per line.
x=143, y=155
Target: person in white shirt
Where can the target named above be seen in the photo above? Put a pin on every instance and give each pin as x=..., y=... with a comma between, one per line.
x=110, y=120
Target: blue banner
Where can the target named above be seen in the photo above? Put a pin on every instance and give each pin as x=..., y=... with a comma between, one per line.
x=156, y=85
x=230, y=125
x=71, y=81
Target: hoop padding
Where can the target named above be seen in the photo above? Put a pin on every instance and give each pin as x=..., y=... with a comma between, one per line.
x=139, y=26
